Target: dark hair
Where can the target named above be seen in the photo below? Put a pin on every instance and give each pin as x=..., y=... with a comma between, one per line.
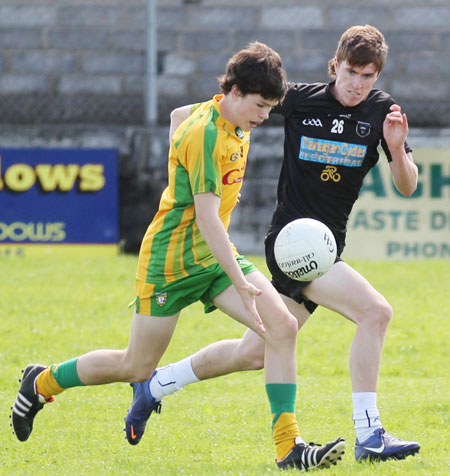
x=359, y=46
x=257, y=69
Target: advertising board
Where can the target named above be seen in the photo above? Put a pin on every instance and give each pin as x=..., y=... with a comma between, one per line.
x=64, y=197
x=385, y=225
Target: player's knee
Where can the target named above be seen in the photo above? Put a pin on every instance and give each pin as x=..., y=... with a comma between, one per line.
x=384, y=314
x=137, y=371
x=380, y=314
x=283, y=330
x=251, y=357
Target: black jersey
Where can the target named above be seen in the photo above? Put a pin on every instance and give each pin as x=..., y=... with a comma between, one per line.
x=328, y=150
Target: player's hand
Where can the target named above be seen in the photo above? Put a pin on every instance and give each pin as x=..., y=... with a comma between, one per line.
x=248, y=295
x=395, y=127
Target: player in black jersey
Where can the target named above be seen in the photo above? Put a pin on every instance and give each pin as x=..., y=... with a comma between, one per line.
x=332, y=132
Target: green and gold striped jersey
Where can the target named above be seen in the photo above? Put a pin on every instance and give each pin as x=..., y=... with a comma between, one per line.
x=207, y=154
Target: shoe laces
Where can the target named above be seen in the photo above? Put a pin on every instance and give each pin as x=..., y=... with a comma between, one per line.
x=380, y=432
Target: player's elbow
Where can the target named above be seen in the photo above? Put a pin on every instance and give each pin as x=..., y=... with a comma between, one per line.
x=410, y=191
x=407, y=188
x=407, y=191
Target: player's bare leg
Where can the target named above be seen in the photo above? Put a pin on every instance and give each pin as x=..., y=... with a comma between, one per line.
x=281, y=328
x=281, y=376
x=232, y=355
x=149, y=338
x=137, y=362
x=345, y=291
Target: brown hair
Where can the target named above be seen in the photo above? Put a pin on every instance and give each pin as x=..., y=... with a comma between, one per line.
x=257, y=69
x=359, y=46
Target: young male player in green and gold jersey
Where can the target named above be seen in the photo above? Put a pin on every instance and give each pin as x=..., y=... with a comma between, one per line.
x=186, y=256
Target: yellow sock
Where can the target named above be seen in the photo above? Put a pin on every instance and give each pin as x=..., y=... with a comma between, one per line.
x=285, y=430
x=46, y=384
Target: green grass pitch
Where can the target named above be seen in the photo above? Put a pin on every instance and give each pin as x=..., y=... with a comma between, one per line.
x=58, y=308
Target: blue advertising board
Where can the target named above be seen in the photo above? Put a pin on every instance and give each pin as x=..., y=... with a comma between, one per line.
x=58, y=196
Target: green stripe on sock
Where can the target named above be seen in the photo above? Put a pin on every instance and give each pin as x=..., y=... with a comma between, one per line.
x=282, y=398
x=66, y=374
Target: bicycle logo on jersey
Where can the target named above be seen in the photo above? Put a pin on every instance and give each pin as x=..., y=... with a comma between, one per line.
x=330, y=173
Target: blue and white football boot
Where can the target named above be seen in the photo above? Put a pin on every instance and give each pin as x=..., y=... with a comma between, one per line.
x=141, y=408
x=381, y=446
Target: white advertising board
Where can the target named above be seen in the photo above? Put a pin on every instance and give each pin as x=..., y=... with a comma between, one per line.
x=384, y=225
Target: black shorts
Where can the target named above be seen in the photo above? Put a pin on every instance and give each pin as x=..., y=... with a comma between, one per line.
x=284, y=284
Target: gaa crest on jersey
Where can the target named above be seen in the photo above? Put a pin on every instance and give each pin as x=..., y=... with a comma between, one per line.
x=312, y=122
x=161, y=299
x=363, y=129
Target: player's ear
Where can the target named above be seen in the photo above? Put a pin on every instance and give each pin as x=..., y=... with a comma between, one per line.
x=235, y=92
x=335, y=63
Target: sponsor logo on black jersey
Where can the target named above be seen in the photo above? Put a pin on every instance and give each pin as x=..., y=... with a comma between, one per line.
x=331, y=152
x=312, y=122
x=330, y=173
x=363, y=129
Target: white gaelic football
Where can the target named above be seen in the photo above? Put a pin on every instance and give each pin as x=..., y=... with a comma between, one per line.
x=305, y=249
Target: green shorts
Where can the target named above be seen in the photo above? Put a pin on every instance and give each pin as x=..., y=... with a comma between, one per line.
x=167, y=299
